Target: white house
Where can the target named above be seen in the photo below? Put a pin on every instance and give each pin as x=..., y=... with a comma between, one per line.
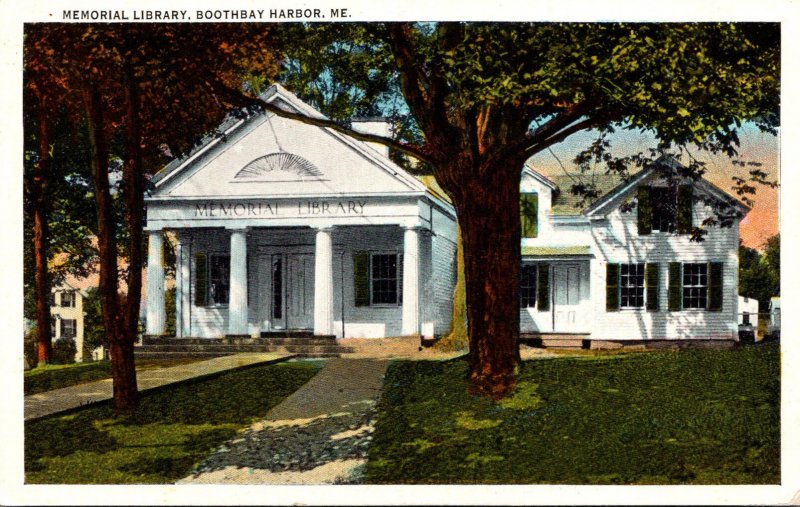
x=286, y=226
x=66, y=315
x=608, y=274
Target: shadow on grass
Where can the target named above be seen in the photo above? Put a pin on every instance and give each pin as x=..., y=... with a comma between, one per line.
x=677, y=417
x=172, y=429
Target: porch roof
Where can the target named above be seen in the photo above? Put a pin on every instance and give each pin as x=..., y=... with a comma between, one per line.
x=555, y=251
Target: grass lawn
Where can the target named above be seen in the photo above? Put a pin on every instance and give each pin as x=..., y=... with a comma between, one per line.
x=173, y=429
x=671, y=417
x=56, y=376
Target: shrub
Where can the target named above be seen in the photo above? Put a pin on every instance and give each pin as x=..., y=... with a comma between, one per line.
x=64, y=350
x=30, y=348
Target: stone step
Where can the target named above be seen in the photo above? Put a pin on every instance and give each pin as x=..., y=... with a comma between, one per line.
x=171, y=340
x=147, y=354
x=232, y=349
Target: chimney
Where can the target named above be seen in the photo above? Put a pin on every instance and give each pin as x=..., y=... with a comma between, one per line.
x=378, y=126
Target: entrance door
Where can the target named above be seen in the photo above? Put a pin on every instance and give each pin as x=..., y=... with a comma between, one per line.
x=566, y=297
x=299, y=291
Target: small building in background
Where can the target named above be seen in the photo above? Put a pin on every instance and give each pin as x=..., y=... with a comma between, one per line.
x=748, y=318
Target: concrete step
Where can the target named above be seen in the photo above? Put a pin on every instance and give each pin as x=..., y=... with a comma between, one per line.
x=148, y=354
x=231, y=349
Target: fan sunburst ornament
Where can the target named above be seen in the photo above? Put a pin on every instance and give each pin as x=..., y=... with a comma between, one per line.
x=278, y=166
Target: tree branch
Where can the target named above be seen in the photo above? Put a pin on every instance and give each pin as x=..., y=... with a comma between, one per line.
x=239, y=98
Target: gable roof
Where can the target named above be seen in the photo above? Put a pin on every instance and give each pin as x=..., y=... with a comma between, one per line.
x=610, y=188
x=276, y=94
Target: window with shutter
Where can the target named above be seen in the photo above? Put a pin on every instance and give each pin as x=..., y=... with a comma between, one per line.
x=527, y=286
x=684, y=207
x=612, y=287
x=528, y=213
x=645, y=210
x=361, y=278
x=674, y=295
x=653, y=284
x=543, y=287
x=715, y=270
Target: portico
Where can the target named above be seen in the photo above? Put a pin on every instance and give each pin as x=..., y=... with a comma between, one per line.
x=292, y=227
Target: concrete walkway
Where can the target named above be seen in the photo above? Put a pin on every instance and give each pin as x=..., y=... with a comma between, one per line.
x=59, y=400
x=318, y=435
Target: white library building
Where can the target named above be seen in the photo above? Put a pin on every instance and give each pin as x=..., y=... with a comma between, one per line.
x=282, y=225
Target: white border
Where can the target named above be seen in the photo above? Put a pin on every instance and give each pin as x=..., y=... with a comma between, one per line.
x=12, y=492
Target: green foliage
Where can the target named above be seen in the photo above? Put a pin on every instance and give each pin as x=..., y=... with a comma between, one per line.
x=673, y=417
x=64, y=350
x=457, y=338
x=30, y=350
x=772, y=255
x=169, y=304
x=94, y=334
x=758, y=277
x=172, y=430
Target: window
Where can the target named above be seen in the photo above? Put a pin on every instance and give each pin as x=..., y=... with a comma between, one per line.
x=384, y=279
x=631, y=285
x=746, y=318
x=527, y=286
x=528, y=214
x=277, y=287
x=665, y=205
x=67, y=299
x=219, y=270
x=695, y=285
x=68, y=327
x=378, y=278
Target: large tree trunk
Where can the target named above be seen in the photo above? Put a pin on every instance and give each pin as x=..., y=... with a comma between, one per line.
x=488, y=213
x=124, y=377
x=123, y=365
x=41, y=238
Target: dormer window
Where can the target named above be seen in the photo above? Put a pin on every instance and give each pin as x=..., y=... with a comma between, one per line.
x=664, y=209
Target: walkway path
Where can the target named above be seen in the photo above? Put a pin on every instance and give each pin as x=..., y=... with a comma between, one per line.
x=318, y=435
x=59, y=400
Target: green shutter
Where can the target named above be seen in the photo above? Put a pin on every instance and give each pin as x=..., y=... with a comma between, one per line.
x=652, y=282
x=612, y=287
x=645, y=211
x=201, y=279
x=684, y=218
x=361, y=278
x=675, y=296
x=528, y=214
x=543, y=288
x=715, y=286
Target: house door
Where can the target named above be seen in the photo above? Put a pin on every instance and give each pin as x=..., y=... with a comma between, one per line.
x=299, y=291
x=566, y=297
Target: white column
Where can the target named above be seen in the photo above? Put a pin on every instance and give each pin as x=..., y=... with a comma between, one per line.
x=156, y=312
x=411, y=281
x=323, y=282
x=178, y=286
x=237, y=306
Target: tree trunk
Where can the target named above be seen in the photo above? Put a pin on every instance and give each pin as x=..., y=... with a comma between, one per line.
x=41, y=238
x=488, y=213
x=123, y=363
x=125, y=391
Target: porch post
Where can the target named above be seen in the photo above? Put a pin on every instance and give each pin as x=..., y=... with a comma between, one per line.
x=237, y=305
x=411, y=281
x=182, y=284
x=323, y=282
x=156, y=313
x=178, y=285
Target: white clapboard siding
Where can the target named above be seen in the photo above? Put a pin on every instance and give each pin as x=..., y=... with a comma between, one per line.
x=616, y=240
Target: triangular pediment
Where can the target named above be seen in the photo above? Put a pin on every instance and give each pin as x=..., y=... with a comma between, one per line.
x=267, y=155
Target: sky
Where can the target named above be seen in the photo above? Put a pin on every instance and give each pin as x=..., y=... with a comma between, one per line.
x=759, y=224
